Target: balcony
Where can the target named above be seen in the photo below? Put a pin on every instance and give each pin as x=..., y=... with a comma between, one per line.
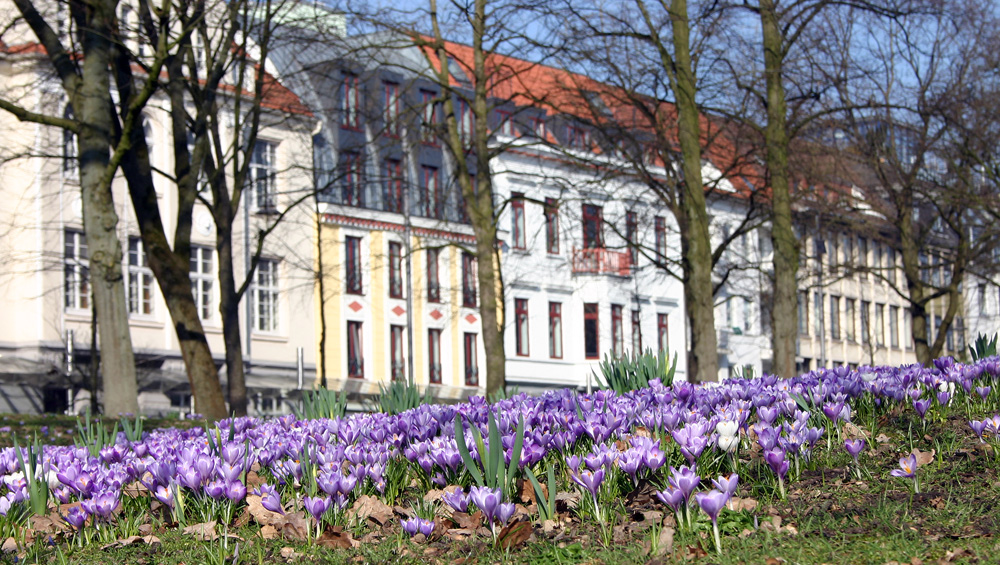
x=601, y=261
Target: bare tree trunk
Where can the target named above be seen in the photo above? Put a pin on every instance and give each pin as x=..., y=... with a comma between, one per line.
x=696, y=245
x=786, y=253
x=93, y=107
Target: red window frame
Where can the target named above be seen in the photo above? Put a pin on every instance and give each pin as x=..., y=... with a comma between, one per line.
x=430, y=188
x=434, y=356
x=555, y=330
x=552, y=226
x=394, y=186
x=433, y=278
x=505, y=123
x=631, y=236
x=391, y=110
x=351, y=104
x=591, y=330
x=617, y=331
x=662, y=332
x=521, y=326
x=593, y=233
x=466, y=121
x=537, y=125
x=469, y=280
x=355, y=351
x=397, y=361
x=471, y=362
x=353, y=278
x=577, y=137
x=636, y=333
x=353, y=193
x=660, y=229
x=395, y=269
x=517, y=229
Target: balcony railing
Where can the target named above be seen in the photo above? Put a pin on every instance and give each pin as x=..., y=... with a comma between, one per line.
x=599, y=260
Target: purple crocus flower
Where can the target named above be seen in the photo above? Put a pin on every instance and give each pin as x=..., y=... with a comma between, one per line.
x=235, y=491
x=269, y=498
x=684, y=479
x=854, y=447
x=216, y=489
x=775, y=459
x=457, y=500
x=486, y=499
x=316, y=506
x=672, y=497
x=76, y=516
x=590, y=480
x=165, y=495
x=907, y=467
x=712, y=502
x=921, y=406
x=505, y=512
x=979, y=427
x=104, y=504
x=983, y=391
x=415, y=525
x=727, y=484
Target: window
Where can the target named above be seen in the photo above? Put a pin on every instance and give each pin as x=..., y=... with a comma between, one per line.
x=469, y=280
x=355, y=351
x=555, y=330
x=466, y=121
x=521, y=326
x=818, y=309
x=395, y=269
x=617, y=339
x=391, y=112
x=552, y=226
x=70, y=161
x=880, y=324
x=631, y=233
x=140, y=279
x=891, y=260
x=352, y=168
x=265, y=295
x=471, y=363
x=431, y=198
x=433, y=280
x=636, y=333
x=263, y=172
x=848, y=250
x=866, y=335
x=894, y=326
x=393, y=194
x=879, y=257
x=591, y=337
x=434, y=356
x=660, y=227
x=803, y=313
x=518, y=236
x=76, y=271
x=396, y=350
x=431, y=116
x=537, y=125
x=835, y=317
x=662, y=333
x=907, y=332
x=202, y=280
x=863, y=256
x=350, y=110
x=981, y=298
x=850, y=313
x=505, y=123
x=577, y=137
x=593, y=236
x=352, y=264
x=747, y=314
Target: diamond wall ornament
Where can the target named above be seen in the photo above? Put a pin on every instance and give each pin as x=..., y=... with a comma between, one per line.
x=436, y=314
x=355, y=306
x=398, y=310
x=471, y=319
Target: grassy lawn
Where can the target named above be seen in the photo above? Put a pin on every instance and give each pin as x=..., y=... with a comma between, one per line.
x=828, y=516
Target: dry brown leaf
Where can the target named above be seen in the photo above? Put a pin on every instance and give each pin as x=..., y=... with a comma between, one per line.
x=853, y=431
x=514, y=534
x=9, y=545
x=254, y=480
x=549, y=526
x=145, y=529
x=336, y=538
x=528, y=491
x=135, y=490
x=881, y=438
x=736, y=504
x=665, y=543
x=459, y=534
x=571, y=499
x=262, y=515
x=924, y=457
x=268, y=532
x=371, y=507
x=151, y=541
x=774, y=561
x=202, y=532
x=288, y=553
x=294, y=526
x=48, y=524
x=463, y=520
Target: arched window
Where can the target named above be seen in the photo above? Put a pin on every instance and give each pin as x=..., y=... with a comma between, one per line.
x=147, y=132
x=70, y=160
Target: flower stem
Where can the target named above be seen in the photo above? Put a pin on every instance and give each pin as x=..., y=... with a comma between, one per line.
x=715, y=532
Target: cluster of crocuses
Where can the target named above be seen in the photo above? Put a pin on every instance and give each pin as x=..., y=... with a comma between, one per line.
x=322, y=466
x=682, y=483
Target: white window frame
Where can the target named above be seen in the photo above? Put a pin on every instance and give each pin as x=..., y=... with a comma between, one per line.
x=76, y=271
x=266, y=289
x=263, y=173
x=202, y=266
x=140, y=288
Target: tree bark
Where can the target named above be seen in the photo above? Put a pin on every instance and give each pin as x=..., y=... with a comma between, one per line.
x=786, y=252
